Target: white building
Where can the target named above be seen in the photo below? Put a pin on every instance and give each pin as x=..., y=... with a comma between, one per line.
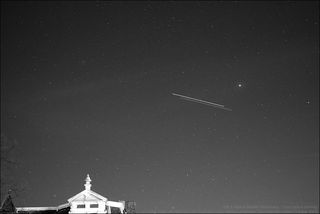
x=87, y=201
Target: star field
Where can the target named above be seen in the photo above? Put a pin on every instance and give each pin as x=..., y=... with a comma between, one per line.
x=86, y=88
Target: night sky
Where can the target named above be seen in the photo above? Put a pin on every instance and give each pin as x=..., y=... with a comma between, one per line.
x=86, y=87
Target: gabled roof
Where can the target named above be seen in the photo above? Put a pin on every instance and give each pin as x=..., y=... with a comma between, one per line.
x=87, y=195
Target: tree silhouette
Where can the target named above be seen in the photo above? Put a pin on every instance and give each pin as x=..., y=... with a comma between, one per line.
x=8, y=164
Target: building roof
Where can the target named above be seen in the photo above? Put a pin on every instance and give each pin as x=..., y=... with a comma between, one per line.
x=87, y=194
x=36, y=209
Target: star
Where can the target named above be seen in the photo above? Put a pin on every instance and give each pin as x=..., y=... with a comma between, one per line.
x=240, y=85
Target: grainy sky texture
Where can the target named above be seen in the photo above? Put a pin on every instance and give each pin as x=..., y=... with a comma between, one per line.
x=86, y=88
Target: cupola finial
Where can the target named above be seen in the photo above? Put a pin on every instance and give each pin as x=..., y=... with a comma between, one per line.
x=88, y=184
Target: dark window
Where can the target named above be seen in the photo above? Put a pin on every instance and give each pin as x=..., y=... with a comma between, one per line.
x=81, y=206
x=94, y=205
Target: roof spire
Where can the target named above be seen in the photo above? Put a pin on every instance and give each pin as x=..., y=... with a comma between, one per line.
x=88, y=184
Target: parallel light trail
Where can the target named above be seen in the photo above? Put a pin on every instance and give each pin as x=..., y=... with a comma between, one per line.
x=201, y=101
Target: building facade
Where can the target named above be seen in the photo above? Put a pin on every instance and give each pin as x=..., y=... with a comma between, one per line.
x=87, y=201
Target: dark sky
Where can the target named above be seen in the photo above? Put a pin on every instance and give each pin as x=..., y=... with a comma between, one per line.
x=86, y=88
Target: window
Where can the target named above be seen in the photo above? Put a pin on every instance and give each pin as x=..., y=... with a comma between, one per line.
x=94, y=205
x=81, y=206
